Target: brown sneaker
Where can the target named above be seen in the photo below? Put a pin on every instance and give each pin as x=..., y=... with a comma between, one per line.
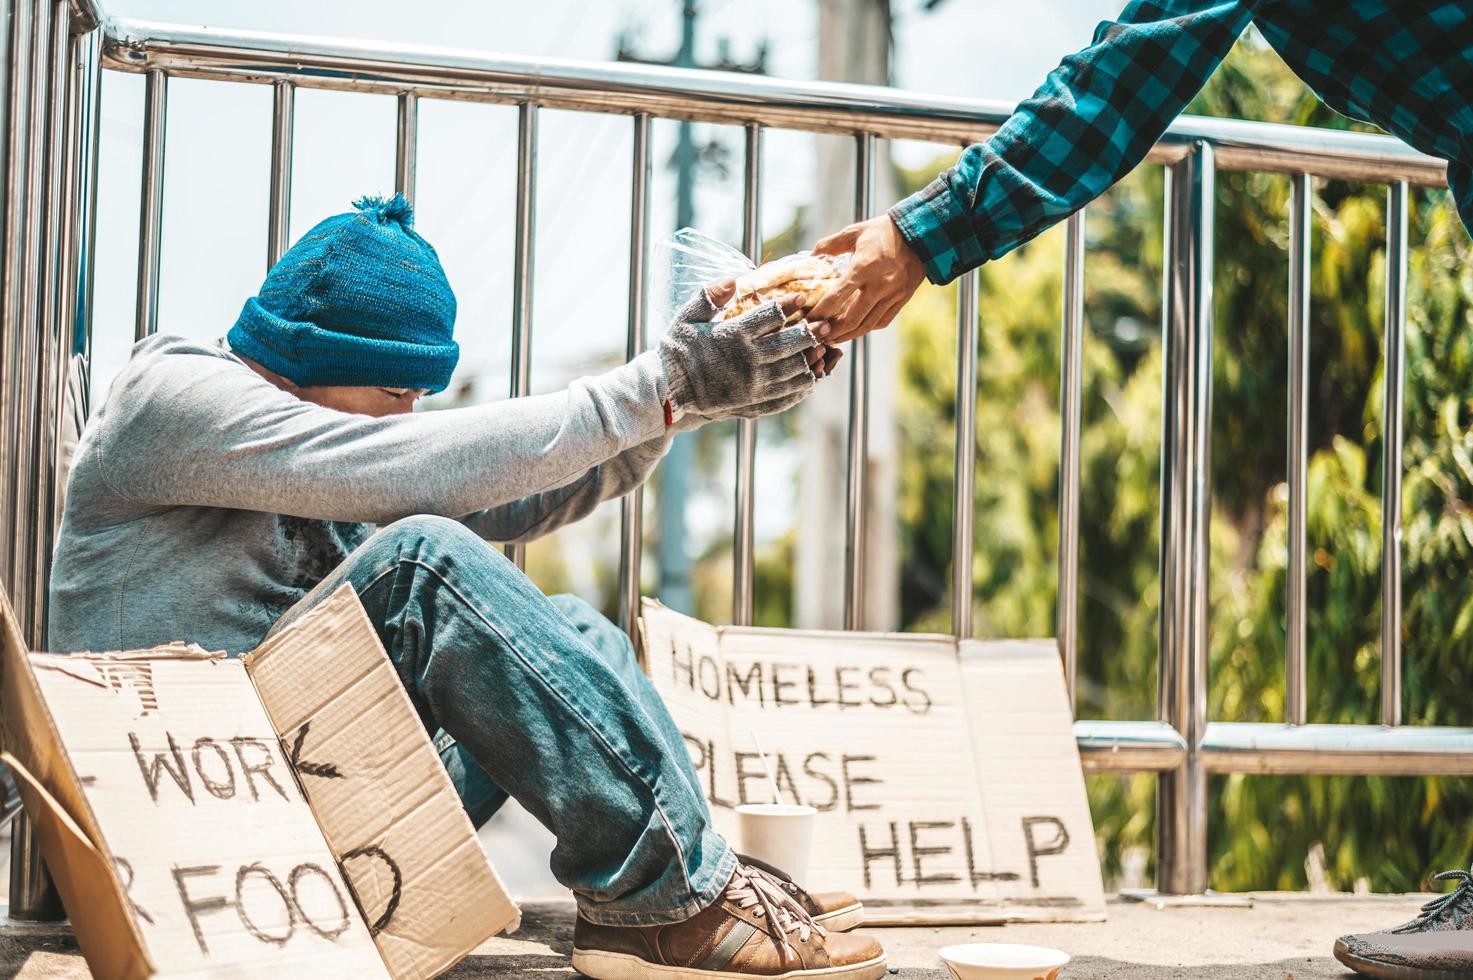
x=835, y=911
x=1436, y=945
x=755, y=929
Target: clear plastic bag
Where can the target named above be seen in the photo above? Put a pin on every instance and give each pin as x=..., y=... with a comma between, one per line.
x=689, y=260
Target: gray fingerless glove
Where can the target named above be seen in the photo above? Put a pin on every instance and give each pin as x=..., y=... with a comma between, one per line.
x=748, y=366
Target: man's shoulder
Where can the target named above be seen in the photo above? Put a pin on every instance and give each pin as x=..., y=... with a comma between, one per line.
x=151, y=388
x=169, y=378
x=171, y=349
x=166, y=362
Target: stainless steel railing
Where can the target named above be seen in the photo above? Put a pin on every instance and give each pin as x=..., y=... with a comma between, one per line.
x=49, y=212
x=45, y=281
x=1391, y=451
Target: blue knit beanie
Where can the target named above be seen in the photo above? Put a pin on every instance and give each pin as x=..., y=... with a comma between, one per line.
x=360, y=300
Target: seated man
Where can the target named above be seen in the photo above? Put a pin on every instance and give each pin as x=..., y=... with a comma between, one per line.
x=222, y=489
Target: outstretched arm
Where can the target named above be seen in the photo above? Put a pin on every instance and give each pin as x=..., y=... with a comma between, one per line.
x=191, y=428
x=1090, y=122
x=187, y=425
x=532, y=517
x=542, y=513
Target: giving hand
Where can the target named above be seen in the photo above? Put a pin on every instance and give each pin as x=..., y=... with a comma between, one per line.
x=882, y=276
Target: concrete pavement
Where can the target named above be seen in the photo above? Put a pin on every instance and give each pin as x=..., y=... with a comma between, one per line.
x=1282, y=937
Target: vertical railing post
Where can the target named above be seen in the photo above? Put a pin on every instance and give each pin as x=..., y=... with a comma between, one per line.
x=523, y=254
x=1071, y=382
x=278, y=222
x=1181, y=797
x=631, y=512
x=151, y=206
x=26, y=335
x=962, y=500
x=79, y=221
x=12, y=280
x=51, y=365
x=1301, y=199
x=92, y=152
x=1394, y=375
x=858, y=475
x=406, y=143
x=743, y=555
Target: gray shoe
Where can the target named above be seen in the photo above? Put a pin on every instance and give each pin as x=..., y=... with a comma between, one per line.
x=1436, y=945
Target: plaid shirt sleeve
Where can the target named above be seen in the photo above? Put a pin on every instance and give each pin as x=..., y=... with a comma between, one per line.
x=1407, y=67
x=1093, y=119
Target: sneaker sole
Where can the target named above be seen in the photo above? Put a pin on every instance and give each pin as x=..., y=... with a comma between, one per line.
x=842, y=920
x=599, y=965
x=1394, y=971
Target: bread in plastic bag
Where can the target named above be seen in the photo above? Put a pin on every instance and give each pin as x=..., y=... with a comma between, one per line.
x=689, y=260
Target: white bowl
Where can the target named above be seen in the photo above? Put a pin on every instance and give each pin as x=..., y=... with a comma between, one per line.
x=1003, y=961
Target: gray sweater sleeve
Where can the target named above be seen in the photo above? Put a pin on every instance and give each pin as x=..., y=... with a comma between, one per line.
x=187, y=425
x=539, y=514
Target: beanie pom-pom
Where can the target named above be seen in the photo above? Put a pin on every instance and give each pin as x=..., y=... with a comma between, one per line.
x=383, y=209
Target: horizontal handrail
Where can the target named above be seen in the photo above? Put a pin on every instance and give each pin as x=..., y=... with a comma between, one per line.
x=1129, y=746
x=1362, y=750
x=708, y=96
x=1268, y=749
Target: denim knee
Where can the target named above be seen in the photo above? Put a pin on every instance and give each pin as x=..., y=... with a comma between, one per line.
x=424, y=538
x=426, y=534
x=437, y=541
x=611, y=642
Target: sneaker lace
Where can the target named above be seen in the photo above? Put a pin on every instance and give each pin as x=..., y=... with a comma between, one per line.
x=754, y=891
x=790, y=887
x=1455, y=904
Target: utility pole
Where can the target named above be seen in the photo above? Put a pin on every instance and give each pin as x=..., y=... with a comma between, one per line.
x=673, y=550
x=854, y=45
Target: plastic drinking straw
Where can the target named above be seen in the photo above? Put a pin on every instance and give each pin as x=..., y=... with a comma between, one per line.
x=777, y=797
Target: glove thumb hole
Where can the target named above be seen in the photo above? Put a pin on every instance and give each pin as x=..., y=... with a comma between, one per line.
x=698, y=309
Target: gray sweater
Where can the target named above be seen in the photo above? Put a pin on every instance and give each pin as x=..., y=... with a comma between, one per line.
x=204, y=500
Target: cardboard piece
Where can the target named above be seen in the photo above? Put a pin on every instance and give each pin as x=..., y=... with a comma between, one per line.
x=946, y=776
x=382, y=798
x=173, y=817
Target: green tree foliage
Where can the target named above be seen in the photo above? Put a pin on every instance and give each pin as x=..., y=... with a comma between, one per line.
x=1391, y=831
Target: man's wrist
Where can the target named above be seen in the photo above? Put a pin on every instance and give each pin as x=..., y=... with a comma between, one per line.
x=939, y=232
x=676, y=388
x=908, y=257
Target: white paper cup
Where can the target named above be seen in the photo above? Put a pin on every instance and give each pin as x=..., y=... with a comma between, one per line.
x=779, y=833
x=1003, y=961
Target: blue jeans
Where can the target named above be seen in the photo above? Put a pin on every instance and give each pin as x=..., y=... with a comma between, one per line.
x=541, y=699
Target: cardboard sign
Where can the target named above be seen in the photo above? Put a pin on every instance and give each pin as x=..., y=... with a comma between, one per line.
x=382, y=798
x=217, y=852
x=172, y=812
x=946, y=775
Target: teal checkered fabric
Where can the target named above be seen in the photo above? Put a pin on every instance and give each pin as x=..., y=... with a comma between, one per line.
x=1403, y=65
